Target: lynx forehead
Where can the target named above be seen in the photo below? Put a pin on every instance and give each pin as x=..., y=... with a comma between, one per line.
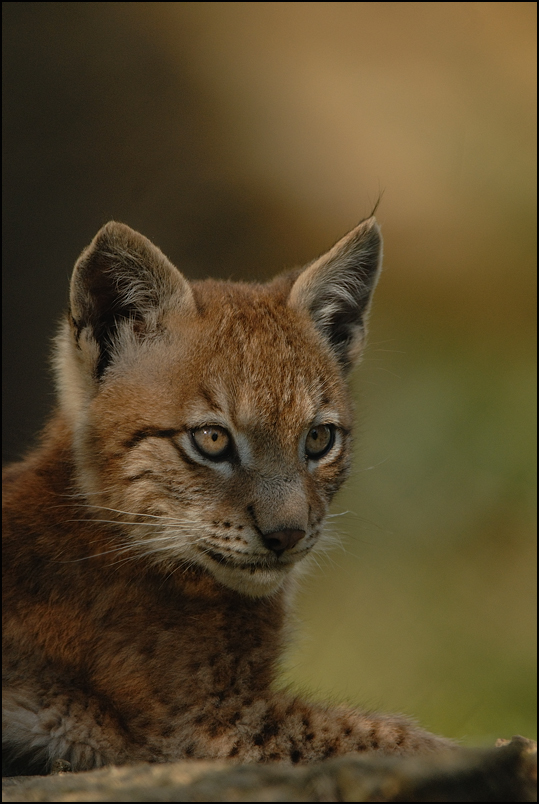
x=151, y=540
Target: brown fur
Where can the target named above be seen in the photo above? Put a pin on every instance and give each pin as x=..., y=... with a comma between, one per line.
x=146, y=582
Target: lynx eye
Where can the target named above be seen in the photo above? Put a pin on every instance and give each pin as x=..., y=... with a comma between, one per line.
x=320, y=440
x=212, y=442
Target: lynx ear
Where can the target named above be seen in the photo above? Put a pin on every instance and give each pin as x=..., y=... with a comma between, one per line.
x=336, y=290
x=122, y=281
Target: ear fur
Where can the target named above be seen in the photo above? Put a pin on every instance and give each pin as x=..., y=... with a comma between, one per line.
x=122, y=282
x=336, y=290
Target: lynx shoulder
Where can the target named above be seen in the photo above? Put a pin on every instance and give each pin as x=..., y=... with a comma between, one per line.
x=152, y=539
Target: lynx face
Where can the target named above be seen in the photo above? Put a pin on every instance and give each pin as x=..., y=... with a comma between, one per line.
x=211, y=420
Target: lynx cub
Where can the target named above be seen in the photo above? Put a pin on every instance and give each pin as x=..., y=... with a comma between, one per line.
x=152, y=540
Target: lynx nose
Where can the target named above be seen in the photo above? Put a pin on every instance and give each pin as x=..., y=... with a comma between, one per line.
x=281, y=540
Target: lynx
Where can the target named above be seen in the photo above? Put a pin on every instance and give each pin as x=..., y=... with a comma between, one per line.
x=153, y=540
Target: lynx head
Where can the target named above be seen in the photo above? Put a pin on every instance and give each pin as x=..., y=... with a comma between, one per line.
x=211, y=421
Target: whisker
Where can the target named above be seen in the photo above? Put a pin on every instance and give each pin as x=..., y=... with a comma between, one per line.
x=129, y=513
x=173, y=523
x=342, y=513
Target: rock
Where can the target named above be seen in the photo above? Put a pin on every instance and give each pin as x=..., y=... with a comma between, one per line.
x=505, y=773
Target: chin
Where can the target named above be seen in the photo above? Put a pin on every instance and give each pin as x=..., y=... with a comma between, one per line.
x=252, y=583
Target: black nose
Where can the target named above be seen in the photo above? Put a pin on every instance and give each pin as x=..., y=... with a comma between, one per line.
x=281, y=540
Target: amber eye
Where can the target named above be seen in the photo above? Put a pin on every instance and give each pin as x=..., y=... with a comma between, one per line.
x=320, y=440
x=212, y=442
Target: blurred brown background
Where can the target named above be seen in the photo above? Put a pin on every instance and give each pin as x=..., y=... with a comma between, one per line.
x=244, y=138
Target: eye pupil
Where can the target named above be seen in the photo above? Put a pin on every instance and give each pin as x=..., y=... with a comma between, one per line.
x=214, y=436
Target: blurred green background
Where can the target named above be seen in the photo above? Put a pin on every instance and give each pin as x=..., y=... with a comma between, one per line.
x=244, y=138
